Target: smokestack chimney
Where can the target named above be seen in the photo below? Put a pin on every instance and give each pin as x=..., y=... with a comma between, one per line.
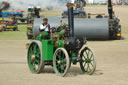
x=110, y=9
x=71, y=18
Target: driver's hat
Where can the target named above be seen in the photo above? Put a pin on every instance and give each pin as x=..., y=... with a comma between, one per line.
x=45, y=19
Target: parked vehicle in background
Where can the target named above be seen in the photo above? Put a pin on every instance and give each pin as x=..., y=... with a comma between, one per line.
x=11, y=24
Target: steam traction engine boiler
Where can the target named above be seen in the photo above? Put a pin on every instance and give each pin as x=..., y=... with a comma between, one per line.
x=101, y=27
x=60, y=48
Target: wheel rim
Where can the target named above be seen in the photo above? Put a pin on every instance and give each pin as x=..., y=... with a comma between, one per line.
x=34, y=57
x=88, y=64
x=61, y=62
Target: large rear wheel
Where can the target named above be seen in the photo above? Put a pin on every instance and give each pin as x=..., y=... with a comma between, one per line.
x=61, y=62
x=87, y=64
x=34, y=57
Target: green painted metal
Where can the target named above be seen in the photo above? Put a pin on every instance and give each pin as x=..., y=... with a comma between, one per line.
x=59, y=43
x=47, y=48
x=58, y=35
x=34, y=57
x=74, y=55
x=62, y=33
x=42, y=35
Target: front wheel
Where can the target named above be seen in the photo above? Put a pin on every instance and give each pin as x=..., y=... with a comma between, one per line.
x=61, y=62
x=34, y=57
x=88, y=63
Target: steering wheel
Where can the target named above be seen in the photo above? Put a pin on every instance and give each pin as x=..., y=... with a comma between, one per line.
x=53, y=29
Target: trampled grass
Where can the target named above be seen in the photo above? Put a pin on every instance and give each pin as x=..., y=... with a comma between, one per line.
x=14, y=35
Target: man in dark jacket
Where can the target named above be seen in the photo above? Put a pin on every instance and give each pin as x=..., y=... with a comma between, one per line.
x=37, y=13
x=45, y=26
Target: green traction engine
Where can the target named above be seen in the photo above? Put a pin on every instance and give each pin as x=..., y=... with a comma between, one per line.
x=60, y=48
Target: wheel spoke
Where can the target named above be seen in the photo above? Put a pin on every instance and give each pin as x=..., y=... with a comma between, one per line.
x=32, y=48
x=64, y=62
x=87, y=67
x=37, y=61
x=35, y=48
x=91, y=64
x=58, y=65
x=31, y=51
x=91, y=56
x=92, y=60
x=57, y=54
x=57, y=60
x=62, y=68
x=84, y=56
x=30, y=54
x=32, y=62
x=84, y=64
x=61, y=53
x=61, y=65
x=37, y=54
x=87, y=54
x=34, y=67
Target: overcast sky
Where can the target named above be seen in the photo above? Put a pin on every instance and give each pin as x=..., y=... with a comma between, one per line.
x=23, y=4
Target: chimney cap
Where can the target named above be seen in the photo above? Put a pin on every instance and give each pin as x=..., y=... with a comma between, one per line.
x=70, y=5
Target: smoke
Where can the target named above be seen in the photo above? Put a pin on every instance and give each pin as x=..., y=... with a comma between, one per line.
x=23, y=4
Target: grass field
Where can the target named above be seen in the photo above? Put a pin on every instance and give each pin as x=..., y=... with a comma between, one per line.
x=14, y=35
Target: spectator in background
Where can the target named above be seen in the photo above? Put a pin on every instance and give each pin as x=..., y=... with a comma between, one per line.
x=37, y=13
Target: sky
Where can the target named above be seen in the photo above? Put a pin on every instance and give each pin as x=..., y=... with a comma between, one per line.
x=23, y=4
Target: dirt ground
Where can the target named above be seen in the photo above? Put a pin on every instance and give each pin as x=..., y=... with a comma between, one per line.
x=111, y=57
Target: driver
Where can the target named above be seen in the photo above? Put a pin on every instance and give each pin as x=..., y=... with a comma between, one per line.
x=45, y=26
